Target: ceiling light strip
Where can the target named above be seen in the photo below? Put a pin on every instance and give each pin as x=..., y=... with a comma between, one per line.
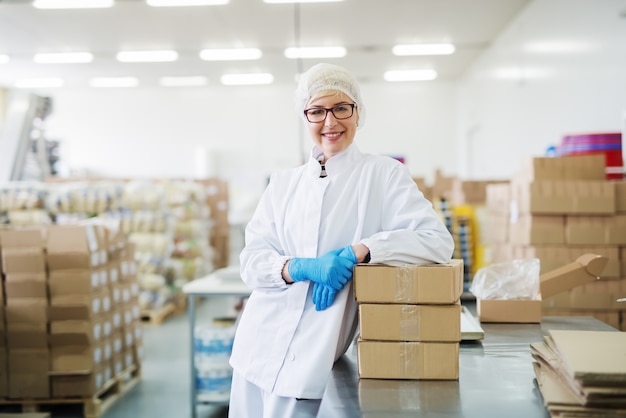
x=147, y=56
x=183, y=3
x=4, y=58
x=63, y=58
x=114, y=82
x=188, y=81
x=233, y=54
x=300, y=1
x=72, y=4
x=316, y=52
x=423, y=49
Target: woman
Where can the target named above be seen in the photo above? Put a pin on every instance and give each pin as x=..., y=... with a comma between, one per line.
x=312, y=225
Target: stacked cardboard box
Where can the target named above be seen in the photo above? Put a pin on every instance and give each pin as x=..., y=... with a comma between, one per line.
x=66, y=332
x=80, y=308
x=410, y=320
x=557, y=209
x=25, y=285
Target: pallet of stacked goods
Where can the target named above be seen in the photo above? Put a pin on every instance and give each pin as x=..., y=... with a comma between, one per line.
x=410, y=320
x=148, y=225
x=192, y=256
x=23, y=203
x=217, y=198
x=561, y=208
x=62, y=316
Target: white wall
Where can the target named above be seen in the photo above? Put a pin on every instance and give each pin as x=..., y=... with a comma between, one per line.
x=514, y=102
x=246, y=132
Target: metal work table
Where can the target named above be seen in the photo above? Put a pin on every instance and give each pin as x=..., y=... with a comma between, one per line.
x=496, y=379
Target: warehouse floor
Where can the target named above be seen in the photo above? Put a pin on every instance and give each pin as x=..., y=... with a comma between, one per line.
x=164, y=387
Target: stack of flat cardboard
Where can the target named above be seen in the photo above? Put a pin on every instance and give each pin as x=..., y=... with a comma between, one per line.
x=582, y=373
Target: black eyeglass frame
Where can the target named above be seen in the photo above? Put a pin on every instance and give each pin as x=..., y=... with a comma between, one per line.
x=331, y=110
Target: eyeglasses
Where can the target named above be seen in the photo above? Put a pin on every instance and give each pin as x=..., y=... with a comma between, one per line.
x=318, y=114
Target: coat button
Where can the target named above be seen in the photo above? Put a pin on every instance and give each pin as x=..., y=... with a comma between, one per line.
x=293, y=357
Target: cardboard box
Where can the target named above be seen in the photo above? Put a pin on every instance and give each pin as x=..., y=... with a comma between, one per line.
x=23, y=260
x=407, y=360
x=29, y=386
x=498, y=198
x=29, y=361
x=394, y=322
x=26, y=289
x=537, y=230
x=27, y=338
x=76, y=332
x=27, y=313
x=585, y=269
x=27, y=237
x=72, y=282
x=620, y=196
x=72, y=247
x=559, y=197
x=80, y=385
x=409, y=284
x=578, y=167
x=76, y=358
x=595, y=230
x=77, y=306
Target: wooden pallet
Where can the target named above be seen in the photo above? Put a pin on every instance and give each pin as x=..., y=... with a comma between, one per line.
x=158, y=316
x=92, y=407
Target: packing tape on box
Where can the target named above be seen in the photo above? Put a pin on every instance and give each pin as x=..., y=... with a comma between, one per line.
x=408, y=324
x=404, y=283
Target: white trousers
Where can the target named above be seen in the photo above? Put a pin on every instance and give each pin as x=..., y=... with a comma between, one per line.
x=250, y=401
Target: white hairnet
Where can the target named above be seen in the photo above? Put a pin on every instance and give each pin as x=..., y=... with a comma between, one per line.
x=323, y=77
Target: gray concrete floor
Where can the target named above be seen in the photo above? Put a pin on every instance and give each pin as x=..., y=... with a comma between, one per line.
x=164, y=387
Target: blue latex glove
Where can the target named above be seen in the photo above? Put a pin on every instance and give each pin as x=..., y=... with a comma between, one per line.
x=332, y=269
x=323, y=296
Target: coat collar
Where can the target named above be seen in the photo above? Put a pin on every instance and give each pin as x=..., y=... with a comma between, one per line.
x=336, y=164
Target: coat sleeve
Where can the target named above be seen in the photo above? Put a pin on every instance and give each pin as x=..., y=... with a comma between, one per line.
x=262, y=258
x=411, y=231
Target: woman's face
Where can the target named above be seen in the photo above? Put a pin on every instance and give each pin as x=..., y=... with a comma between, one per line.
x=333, y=135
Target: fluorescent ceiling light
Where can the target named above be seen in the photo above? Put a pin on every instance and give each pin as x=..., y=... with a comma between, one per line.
x=29, y=83
x=246, y=79
x=177, y=3
x=4, y=59
x=316, y=52
x=410, y=75
x=233, y=54
x=423, y=49
x=72, y=4
x=550, y=47
x=147, y=56
x=63, y=58
x=114, y=82
x=183, y=81
x=300, y=1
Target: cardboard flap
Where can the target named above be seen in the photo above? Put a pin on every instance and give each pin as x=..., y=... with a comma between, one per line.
x=594, y=263
x=585, y=269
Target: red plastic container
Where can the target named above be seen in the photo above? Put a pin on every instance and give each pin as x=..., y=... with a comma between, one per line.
x=607, y=143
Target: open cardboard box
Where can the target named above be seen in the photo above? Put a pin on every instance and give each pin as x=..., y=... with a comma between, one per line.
x=585, y=269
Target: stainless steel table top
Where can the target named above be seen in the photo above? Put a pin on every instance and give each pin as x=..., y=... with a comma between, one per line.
x=496, y=379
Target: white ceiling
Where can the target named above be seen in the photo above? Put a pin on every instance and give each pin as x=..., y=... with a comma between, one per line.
x=367, y=28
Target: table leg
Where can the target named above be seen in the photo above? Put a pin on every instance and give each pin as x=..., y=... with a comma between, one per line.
x=191, y=310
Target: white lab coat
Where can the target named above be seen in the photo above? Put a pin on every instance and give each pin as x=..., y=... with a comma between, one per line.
x=282, y=344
